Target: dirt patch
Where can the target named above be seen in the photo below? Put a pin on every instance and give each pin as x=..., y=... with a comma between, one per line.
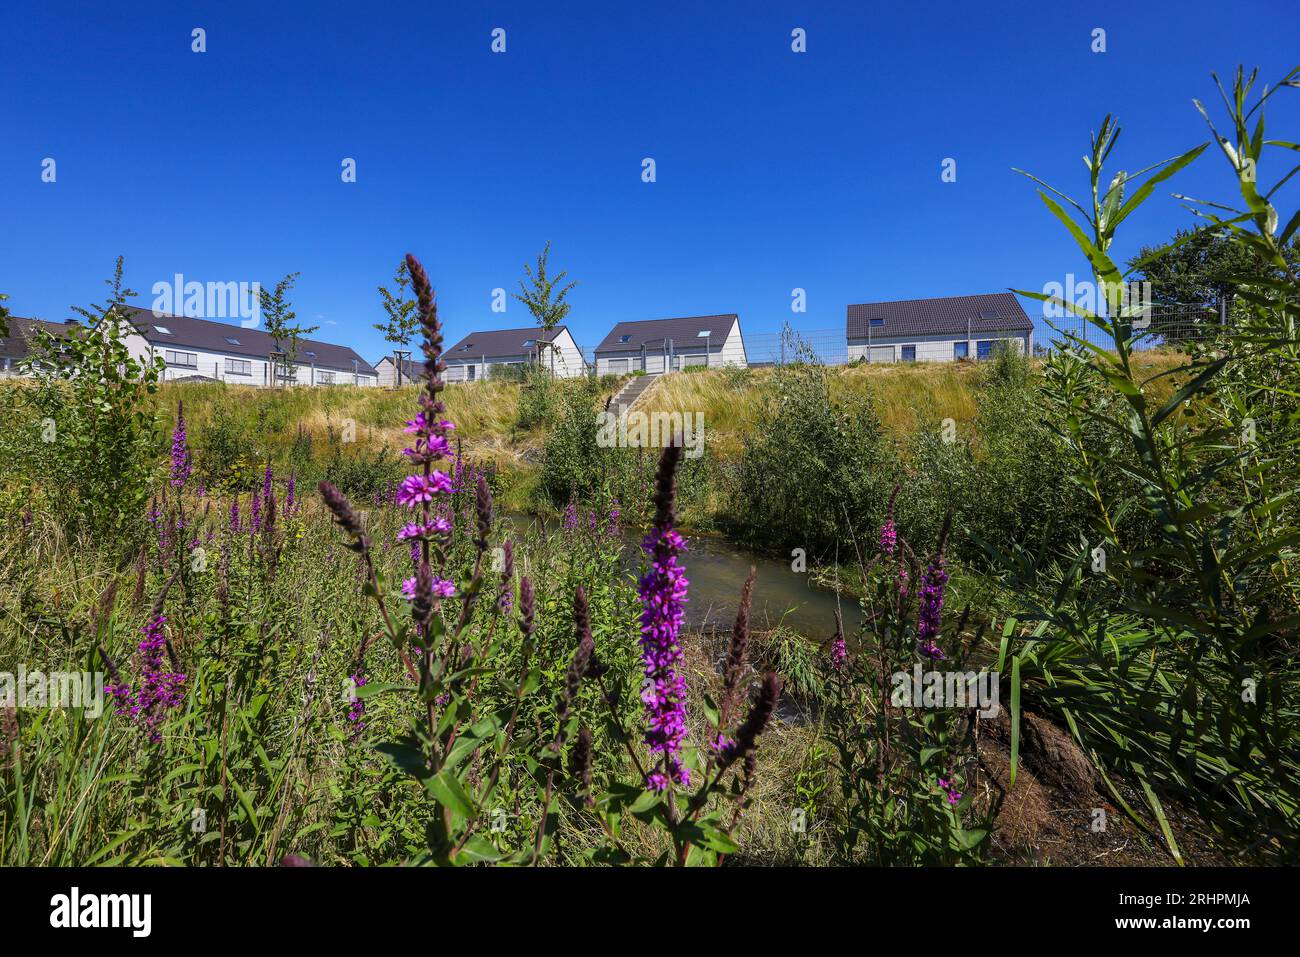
x=1060, y=812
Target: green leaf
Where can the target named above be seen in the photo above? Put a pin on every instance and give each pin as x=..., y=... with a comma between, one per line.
x=1015, y=719
x=449, y=792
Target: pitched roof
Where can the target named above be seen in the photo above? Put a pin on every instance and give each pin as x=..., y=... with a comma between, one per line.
x=228, y=339
x=991, y=312
x=22, y=332
x=411, y=368
x=631, y=336
x=500, y=342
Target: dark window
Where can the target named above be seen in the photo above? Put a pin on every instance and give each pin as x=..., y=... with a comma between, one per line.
x=877, y=322
x=961, y=350
x=909, y=353
x=624, y=338
x=188, y=360
x=984, y=348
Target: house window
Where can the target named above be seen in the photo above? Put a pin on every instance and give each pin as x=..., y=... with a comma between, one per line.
x=961, y=350
x=232, y=340
x=618, y=366
x=909, y=353
x=239, y=367
x=164, y=330
x=877, y=321
x=984, y=348
x=624, y=338
x=325, y=378
x=469, y=373
x=189, y=360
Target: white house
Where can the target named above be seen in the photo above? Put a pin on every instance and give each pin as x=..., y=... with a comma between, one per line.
x=21, y=341
x=202, y=349
x=653, y=346
x=938, y=330
x=474, y=356
x=412, y=369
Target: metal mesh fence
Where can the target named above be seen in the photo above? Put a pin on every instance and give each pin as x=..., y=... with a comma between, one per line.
x=1164, y=326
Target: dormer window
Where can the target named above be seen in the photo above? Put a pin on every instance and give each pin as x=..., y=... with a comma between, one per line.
x=624, y=338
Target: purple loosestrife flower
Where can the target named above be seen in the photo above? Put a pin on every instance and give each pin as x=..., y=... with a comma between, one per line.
x=268, y=489
x=839, y=651
x=889, y=531
x=760, y=713
x=902, y=581
x=429, y=427
x=357, y=711
x=950, y=790
x=289, y=499
x=571, y=516
x=420, y=488
x=181, y=469
x=442, y=587
x=663, y=599
x=160, y=690
x=930, y=596
x=234, y=514
x=612, y=528
x=255, y=511
x=888, y=537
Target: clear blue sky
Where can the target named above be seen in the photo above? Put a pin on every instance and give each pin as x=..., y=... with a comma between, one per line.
x=775, y=170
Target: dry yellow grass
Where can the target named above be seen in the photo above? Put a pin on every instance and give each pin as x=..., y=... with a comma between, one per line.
x=486, y=413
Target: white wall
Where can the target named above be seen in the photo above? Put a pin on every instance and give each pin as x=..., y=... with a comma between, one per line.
x=213, y=366
x=565, y=358
x=933, y=348
x=724, y=349
x=387, y=371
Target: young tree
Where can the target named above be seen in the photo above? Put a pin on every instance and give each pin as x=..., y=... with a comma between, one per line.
x=281, y=325
x=94, y=393
x=402, y=320
x=548, y=306
x=4, y=317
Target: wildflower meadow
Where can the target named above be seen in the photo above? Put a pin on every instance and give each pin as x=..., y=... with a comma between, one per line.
x=1035, y=610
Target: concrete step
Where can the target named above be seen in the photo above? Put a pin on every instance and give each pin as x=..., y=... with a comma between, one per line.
x=633, y=390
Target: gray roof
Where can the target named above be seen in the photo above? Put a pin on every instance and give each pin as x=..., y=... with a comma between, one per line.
x=236, y=340
x=500, y=342
x=991, y=312
x=631, y=336
x=411, y=368
x=17, y=345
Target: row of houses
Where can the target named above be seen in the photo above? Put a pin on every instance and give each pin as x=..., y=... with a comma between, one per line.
x=915, y=330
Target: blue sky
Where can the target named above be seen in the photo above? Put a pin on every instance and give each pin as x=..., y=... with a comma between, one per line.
x=775, y=170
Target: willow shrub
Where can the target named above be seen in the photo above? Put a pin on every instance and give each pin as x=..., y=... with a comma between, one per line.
x=812, y=467
x=1172, y=662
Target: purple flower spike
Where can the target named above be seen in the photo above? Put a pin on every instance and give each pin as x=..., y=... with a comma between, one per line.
x=181, y=467
x=663, y=599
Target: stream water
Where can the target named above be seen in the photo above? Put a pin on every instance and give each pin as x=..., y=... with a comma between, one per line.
x=716, y=570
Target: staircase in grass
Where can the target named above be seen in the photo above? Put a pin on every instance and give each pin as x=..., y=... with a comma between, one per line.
x=631, y=391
